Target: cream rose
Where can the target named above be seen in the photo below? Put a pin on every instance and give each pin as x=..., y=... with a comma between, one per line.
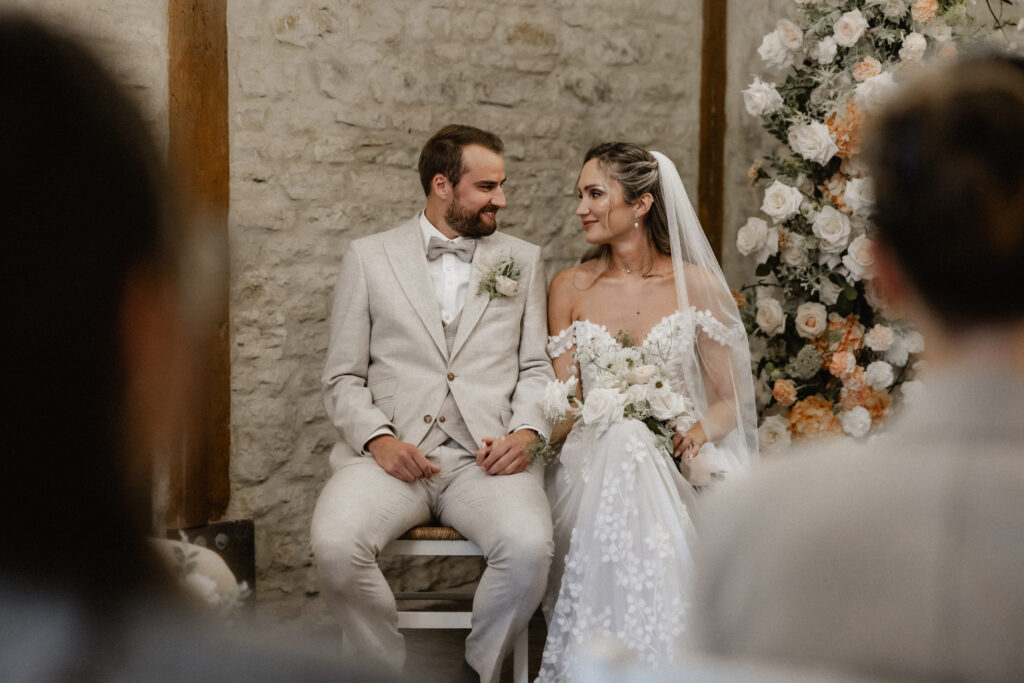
x=770, y=317
x=859, y=258
x=897, y=353
x=781, y=201
x=832, y=228
x=752, y=236
x=602, y=408
x=849, y=28
x=794, y=251
x=773, y=52
x=879, y=338
x=790, y=35
x=555, y=402
x=813, y=142
x=873, y=93
x=879, y=375
x=859, y=196
x=913, y=47
x=666, y=404
x=811, y=320
x=506, y=286
x=914, y=341
x=856, y=421
x=761, y=98
x=825, y=51
x=773, y=434
x=642, y=374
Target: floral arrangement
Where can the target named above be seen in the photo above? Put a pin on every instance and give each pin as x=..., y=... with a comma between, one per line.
x=828, y=356
x=632, y=383
x=202, y=586
x=500, y=278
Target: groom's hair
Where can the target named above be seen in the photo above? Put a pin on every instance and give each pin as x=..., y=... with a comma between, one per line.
x=949, y=185
x=443, y=152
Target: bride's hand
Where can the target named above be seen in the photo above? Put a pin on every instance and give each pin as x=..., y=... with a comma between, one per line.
x=688, y=444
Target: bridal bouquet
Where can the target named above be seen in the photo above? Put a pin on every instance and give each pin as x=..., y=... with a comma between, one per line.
x=631, y=383
x=828, y=356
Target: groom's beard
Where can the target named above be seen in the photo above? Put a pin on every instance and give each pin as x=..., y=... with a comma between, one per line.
x=470, y=223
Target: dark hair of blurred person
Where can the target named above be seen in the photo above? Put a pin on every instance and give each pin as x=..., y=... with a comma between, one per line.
x=949, y=182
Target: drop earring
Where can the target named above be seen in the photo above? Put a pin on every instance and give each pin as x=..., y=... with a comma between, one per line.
x=636, y=223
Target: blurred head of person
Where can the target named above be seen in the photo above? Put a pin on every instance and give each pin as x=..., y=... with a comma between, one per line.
x=947, y=158
x=92, y=335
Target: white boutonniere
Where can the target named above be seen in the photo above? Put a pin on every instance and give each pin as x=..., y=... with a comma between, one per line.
x=500, y=278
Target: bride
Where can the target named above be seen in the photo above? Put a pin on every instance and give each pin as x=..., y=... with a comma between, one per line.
x=621, y=503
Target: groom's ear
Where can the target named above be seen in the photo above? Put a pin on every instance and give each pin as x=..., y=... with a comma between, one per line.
x=440, y=185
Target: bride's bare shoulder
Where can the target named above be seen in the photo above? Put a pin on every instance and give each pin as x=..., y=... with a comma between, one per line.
x=572, y=282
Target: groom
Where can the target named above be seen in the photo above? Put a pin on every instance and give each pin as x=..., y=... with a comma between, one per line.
x=434, y=373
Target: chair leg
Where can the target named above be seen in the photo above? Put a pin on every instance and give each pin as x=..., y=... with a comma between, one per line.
x=520, y=657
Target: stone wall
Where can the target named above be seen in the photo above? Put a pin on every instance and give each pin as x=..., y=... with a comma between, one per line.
x=129, y=36
x=330, y=103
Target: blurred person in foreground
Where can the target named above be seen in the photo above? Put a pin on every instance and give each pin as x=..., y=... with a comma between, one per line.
x=902, y=558
x=95, y=339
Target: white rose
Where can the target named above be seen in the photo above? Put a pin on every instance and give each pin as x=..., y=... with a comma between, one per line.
x=914, y=341
x=813, y=142
x=849, y=28
x=773, y=52
x=829, y=292
x=790, y=35
x=602, y=407
x=781, y=201
x=770, y=317
x=897, y=353
x=859, y=196
x=555, y=402
x=761, y=98
x=811, y=320
x=914, y=45
x=825, y=51
x=879, y=338
x=859, y=258
x=856, y=422
x=795, y=251
x=873, y=93
x=666, y=404
x=912, y=391
x=642, y=374
x=773, y=434
x=752, y=236
x=832, y=228
x=506, y=286
x=637, y=393
x=879, y=375
x=942, y=33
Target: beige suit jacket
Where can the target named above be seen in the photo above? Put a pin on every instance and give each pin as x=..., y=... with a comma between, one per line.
x=902, y=559
x=388, y=364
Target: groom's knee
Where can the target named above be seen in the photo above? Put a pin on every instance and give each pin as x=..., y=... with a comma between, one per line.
x=340, y=556
x=525, y=548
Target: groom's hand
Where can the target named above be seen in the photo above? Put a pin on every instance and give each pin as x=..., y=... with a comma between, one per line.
x=506, y=456
x=400, y=459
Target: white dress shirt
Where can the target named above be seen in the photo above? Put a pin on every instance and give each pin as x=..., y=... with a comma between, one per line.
x=449, y=273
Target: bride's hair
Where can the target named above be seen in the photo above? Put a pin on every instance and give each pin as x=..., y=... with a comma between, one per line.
x=636, y=171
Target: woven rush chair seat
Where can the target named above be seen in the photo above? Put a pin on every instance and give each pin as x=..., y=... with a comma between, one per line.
x=432, y=532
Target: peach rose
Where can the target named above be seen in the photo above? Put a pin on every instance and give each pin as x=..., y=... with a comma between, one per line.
x=924, y=11
x=842, y=363
x=866, y=69
x=784, y=392
x=834, y=190
x=813, y=417
x=845, y=127
x=878, y=404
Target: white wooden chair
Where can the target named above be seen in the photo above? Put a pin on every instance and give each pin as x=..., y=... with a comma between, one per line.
x=443, y=540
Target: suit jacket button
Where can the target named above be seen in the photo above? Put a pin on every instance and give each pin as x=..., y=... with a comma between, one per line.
x=427, y=418
x=441, y=419
x=451, y=376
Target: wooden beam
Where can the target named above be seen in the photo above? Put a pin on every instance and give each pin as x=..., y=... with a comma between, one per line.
x=712, y=122
x=198, y=155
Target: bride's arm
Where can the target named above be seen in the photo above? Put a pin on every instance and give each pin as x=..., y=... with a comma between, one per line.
x=561, y=301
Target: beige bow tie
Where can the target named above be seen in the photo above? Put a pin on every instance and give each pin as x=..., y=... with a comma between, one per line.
x=464, y=249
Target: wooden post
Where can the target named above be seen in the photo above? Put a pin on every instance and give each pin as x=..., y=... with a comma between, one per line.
x=198, y=155
x=712, y=122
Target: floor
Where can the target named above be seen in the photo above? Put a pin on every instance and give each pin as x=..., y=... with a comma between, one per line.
x=436, y=655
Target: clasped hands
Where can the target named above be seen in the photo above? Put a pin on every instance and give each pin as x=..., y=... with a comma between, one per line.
x=687, y=444
x=402, y=460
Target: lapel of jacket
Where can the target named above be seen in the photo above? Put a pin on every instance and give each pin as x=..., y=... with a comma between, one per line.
x=408, y=260
x=475, y=303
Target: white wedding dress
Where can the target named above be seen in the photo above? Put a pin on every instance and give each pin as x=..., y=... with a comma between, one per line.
x=622, y=517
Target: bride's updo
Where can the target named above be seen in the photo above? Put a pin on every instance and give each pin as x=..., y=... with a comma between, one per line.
x=636, y=171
